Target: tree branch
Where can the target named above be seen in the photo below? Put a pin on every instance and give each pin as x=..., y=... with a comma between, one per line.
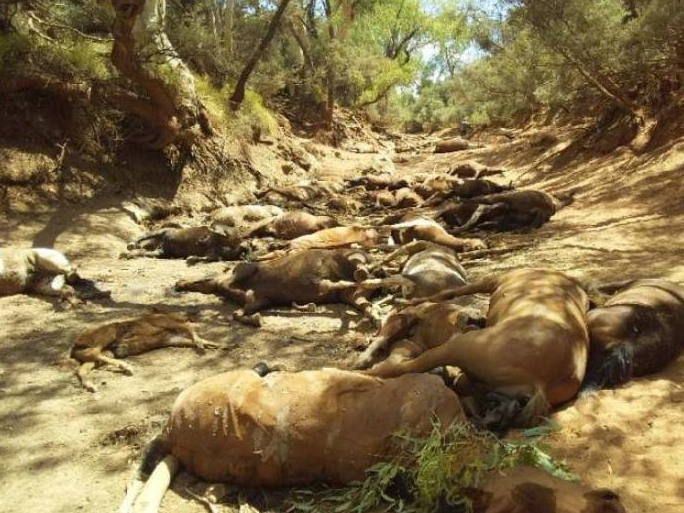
x=33, y=15
x=239, y=92
x=383, y=92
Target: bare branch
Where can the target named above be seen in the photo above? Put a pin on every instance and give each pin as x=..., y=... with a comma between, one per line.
x=384, y=92
x=33, y=16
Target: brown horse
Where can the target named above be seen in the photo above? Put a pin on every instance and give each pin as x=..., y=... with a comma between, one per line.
x=310, y=276
x=531, y=490
x=106, y=343
x=413, y=330
x=292, y=428
x=198, y=243
x=510, y=210
x=534, y=345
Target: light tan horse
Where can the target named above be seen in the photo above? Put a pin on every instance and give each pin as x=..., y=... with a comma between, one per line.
x=534, y=345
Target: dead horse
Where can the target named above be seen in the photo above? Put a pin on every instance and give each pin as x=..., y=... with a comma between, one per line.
x=292, y=428
x=534, y=345
x=637, y=331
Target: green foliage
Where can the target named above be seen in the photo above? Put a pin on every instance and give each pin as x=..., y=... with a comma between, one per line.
x=434, y=470
x=451, y=36
x=213, y=98
x=93, y=17
x=13, y=48
x=202, y=48
x=49, y=41
x=253, y=108
x=252, y=113
x=387, y=75
x=70, y=57
x=430, y=63
x=83, y=59
x=552, y=55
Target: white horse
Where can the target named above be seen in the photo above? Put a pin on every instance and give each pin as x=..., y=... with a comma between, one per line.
x=39, y=270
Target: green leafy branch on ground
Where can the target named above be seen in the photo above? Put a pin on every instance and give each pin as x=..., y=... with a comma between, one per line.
x=432, y=471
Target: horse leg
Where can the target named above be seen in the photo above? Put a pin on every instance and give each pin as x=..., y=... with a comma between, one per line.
x=480, y=211
x=249, y=313
x=330, y=286
x=446, y=354
x=55, y=286
x=398, y=280
x=395, y=327
x=49, y=285
x=101, y=358
x=82, y=371
x=195, y=339
x=484, y=212
x=485, y=286
x=377, y=343
x=141, y=253
x=408, y=249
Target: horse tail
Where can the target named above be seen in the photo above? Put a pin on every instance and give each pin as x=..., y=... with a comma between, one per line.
x=536, y=407
x=154, y=452
x=613, y=368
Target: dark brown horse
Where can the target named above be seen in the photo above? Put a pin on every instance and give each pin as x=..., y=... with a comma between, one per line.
x=637, y=331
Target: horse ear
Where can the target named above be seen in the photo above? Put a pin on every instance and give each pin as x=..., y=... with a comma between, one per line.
x=597, y=298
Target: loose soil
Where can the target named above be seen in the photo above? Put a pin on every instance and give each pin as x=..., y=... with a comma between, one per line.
x=65, y=450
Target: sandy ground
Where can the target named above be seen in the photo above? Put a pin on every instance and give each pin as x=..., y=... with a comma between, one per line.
x=66, y=450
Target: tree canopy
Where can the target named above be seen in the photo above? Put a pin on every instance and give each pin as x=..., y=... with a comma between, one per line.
x=174, y=70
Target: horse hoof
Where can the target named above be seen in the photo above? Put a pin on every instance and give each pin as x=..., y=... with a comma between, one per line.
x=262, y=369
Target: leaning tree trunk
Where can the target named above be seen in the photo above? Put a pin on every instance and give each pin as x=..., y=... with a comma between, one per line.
x=239, y=92
x=168, y=109
x=603, y=84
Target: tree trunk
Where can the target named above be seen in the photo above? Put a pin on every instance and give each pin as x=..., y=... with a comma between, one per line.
x=632, y=12
x=348, y=11
x=603, y=84
x=336, y=38
x=239, y=92
x=298, y=31
x=646, y=124
x=329, y=107
x=143, y=53
x=229, y=26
